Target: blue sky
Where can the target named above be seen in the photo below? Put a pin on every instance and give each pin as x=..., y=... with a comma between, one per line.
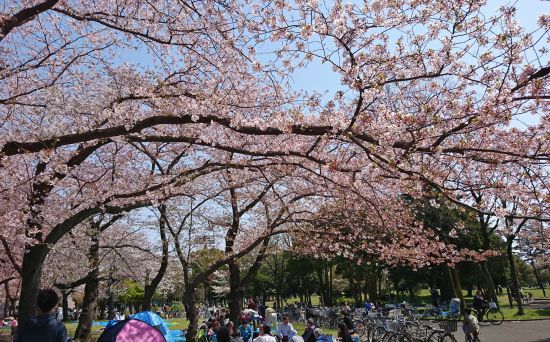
x=320, y=76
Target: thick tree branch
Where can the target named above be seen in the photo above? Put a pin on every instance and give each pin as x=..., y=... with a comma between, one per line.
x=10, y=22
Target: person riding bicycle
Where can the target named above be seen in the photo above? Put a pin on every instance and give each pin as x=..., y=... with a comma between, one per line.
x=479, y=303
x=470, y=326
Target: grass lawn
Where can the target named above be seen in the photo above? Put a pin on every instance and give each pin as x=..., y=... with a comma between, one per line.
x=423, y=297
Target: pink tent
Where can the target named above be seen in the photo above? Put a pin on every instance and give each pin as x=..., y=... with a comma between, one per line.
x=132, y=330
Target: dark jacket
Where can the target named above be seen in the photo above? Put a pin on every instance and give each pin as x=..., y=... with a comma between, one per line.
x=222, y=335
x=43, y=328
x=346, y=337
x=349, y=323
x=308, y=336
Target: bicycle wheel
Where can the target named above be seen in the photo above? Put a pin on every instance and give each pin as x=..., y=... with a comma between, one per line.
x=434, y=337
x=359, y=327
x=494, y=316
x=389, y=336
x=376, y=334
x=447, y=337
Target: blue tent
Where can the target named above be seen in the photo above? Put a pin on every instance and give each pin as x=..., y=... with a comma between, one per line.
x=156, y=321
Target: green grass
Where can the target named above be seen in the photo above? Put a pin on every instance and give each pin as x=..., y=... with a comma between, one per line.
x=511, y=314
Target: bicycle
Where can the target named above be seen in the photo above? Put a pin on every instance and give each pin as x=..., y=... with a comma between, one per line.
x=470, y=338
x=492, y=314
x=444, y=333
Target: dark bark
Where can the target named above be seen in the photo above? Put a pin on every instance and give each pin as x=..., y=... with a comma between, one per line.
x=151, y=287
x=510, y=299
x=7, y=301
x=31, y=270
x=489, y=282
x=65, y=304
x=458, y=287
x=24, y=16
x=192, y=314
x=110, y=304
x=538, y=277
x=513, y=274
x=235, y=297
x=91, y=289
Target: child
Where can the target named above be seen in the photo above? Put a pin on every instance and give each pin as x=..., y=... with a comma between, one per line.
x=471, y=325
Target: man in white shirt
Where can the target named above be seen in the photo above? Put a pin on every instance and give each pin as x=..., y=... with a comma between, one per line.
x=285, y=331
x=265, y=335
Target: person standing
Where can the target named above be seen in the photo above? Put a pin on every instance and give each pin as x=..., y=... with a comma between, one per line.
x=271, y=316
x=499, y=290
x=44, y=327
x=435, y=297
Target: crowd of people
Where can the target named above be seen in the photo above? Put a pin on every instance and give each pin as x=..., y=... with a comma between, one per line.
x=258, y=324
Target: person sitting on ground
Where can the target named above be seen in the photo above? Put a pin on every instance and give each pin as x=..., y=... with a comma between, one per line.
x=479, y=303
x=296, y=338
x=213, y=326
x=231, y=328
x=343, y=333
x=319, y=336
x=348, y=321
x=44, y=327
x=13, y=327
x=265, y=335
x=285, y=329
x=530, y=299
x=471, y=325
x=246, y=331
x=308, y=335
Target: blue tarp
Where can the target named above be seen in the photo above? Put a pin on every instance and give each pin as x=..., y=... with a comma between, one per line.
x=156, y=321
x=178, y=335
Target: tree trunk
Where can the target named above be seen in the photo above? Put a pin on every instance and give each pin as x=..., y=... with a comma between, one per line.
x=331, y=286
x=451, y=280
x=513, y=274
x=489, y=282
x=510, y=300
x=538, y=277
x=235, y=298
x=89, y=307
x=189, y=299
x=31, y=270
x=65, y=304
x=110, y=303
x=6, y=304
x=91, y=289
x=458, y=287
x=152, y=287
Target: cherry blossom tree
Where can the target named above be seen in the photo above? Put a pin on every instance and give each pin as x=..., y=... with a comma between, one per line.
x=93, y=94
